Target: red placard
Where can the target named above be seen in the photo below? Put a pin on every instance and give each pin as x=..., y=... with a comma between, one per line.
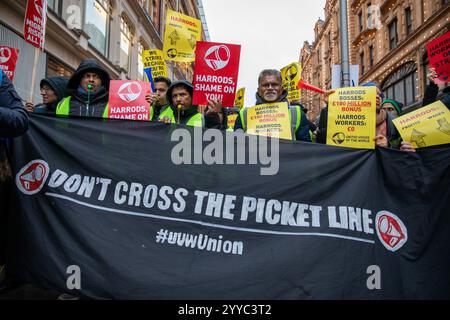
x=35, y=21
x=127, y=100
x=439, y=56
x=8, y=60
x=216, y=72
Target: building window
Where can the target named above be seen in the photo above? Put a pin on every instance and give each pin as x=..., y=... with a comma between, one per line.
x=393, y=36
x=369, y=12
x=141, y=49
x=57, y=68
x=125, y=44
x=408, y=21
x=361, y=61
x=360, y=22
x=55, y=6
x=402, y=85
x=97, y=24
x=371, y=56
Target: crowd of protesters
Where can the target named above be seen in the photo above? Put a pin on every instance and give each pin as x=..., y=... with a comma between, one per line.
x=86, y=93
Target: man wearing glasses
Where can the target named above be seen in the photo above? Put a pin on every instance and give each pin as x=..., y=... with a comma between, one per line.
x=270, y=90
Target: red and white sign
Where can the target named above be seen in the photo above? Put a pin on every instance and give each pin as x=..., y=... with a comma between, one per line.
x=216, y=72
x=35, y=21
x=31, y=178
x=439, y=56
x=127, y=100
x=390, y=230
x=8, y=60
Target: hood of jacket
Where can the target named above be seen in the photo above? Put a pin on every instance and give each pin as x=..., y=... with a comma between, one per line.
x=190, y=89
x=58, y=85
x=282, y=98
x=88, y=65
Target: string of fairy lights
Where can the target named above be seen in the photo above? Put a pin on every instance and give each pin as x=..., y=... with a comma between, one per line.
x=405, y=52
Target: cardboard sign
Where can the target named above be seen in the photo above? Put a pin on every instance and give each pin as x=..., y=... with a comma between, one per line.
x=439, y=56
x=127, y=100
x=291, y=75
x=216, y=72
x=352, y=117
x=425, y=127
x=239, y=99
x=181, y=36
x=231, y=121
x=35, y=21
x=270, y=120
x=154, y=59
x=8, y=60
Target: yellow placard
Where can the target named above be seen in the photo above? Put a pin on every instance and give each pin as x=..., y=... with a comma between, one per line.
x=270, y=120
x=154, y=59
x=291, y=75
x=231, y=121
x=239, y=99
x=425, y=127
x=181, y=36
x=352, y=117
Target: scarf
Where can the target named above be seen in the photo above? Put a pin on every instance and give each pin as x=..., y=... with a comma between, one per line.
x=84, y=95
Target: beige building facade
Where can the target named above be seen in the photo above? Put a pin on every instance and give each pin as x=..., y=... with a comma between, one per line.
x=115, y=32
x=387, y=40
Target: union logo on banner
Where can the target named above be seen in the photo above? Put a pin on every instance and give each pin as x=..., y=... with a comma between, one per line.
x=390, y=230
x=217, y=57
x=32, y=177
x=8, y=60
x=130, y=91
x=216, y=72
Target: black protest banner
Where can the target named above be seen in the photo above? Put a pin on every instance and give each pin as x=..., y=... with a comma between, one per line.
x=103, y=209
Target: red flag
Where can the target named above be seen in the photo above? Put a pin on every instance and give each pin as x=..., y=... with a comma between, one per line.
x=35, y=21
x=306, y=86
x=439, y=55
x=8, y=60
x=216, y=72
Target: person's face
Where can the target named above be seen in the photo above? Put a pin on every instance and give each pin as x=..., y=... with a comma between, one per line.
x=270, y=88
x=390, y=108
x=180, y=96
x=48, y=95
x=161, y=90
x=91, y=78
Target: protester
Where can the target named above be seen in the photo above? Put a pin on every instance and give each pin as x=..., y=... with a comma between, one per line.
x=270, y=90
x=393, y=107
x=88, y=90
x=179, y=96
x=53, y=90
x=13, y=123
x=432, y=91
x=160, y=107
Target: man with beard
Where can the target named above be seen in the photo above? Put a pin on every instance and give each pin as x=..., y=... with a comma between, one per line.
x=89, y=92
x=270, y=90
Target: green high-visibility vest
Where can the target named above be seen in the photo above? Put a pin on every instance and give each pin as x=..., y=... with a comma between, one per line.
x=295, y=117
x=196, y=120
x=167, y=112
x=63, y=108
